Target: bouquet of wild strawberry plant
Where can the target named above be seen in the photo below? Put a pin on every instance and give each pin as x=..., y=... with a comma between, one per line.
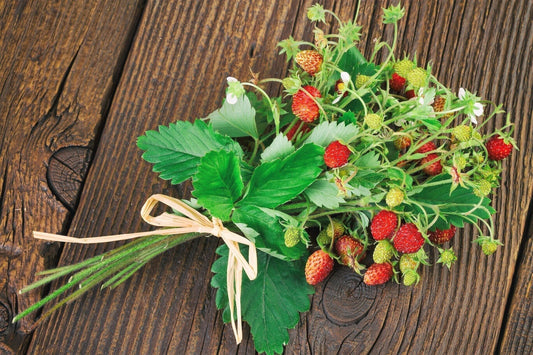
x=355, y=158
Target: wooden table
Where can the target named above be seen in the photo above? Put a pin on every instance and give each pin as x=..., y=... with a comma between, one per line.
x=81, y=80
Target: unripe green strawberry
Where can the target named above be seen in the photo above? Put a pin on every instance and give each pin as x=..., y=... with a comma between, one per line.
x=489, y=247
x=410, y=277
x=403, y=67
x=394, y=197
x=417, y=77
x=292, y=236
x=323, y=239
x=408, y=262
x=483, y=188
x=335, y=229
x=460, y=162
x=318, y=266
x=462, y=133
x=373, y=121
x=447, y=257
x=361, y=80
x=383, y=252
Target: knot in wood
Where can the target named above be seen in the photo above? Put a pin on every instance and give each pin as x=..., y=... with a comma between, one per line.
x=346, y=299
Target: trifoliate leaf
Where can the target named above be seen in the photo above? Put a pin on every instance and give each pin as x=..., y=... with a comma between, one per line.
x=218, y=183
x=235, y=120
x=327, y=132
x=271, y=303
x=176, y=150
x=266, y=232
x=456, y=207
x=279, y=148
x=324, y=194
x=276, y=182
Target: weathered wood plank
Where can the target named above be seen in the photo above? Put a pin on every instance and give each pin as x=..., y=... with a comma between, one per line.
x=169, y=306
x=59, y=65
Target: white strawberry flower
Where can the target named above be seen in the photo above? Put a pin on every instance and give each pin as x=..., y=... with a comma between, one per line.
x=234, y=91
x=345, y=77
x=472, y=107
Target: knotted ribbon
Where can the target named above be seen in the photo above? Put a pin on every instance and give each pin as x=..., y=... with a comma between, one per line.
x=192, y=221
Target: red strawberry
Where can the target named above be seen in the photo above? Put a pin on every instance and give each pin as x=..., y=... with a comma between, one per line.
x=397, y=82
x=383, y=225
x=302, y=126
x=303, y=106
x=378, y=274
x=435, y=168
x=349, y=250
x=410, y=94
x=309, y=60
x=408, y=239
x=318, y=266
x=336, y=155
x=442, y=236
x=428, y=147
x=497, y=148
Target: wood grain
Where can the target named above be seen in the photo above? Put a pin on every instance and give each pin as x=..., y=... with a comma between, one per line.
x=58, y=68
x=177, y=67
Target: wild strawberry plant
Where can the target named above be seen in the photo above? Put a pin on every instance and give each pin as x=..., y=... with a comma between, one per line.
x=354, y=155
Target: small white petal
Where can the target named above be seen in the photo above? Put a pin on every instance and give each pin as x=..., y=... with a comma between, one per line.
x=231, y=99
x=472, y=119
x=345, y=77
x=337, y=99
x=421, y=100
x=478, y=109
x=462, y=93
x=231, y=79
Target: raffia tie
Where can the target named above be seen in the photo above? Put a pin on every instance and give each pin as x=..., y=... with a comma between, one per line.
x=192, y=221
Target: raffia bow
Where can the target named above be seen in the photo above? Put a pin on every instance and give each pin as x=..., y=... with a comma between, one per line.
x=192, y=221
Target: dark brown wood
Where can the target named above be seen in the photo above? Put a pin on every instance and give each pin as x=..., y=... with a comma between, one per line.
x=176, y=70
x=59, y=65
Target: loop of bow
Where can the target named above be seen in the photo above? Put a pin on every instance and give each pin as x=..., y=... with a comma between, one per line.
x=192, y=221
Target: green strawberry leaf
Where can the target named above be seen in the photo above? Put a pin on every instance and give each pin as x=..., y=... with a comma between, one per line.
x=237, y=120
x=271, y=304
x=176, y=150
x=327, y=132
x=279, y=148
x=368, y=161
x=456, y=207
x=324, y=194
x=218, y=183
x=266, y=232
x=276, y=182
